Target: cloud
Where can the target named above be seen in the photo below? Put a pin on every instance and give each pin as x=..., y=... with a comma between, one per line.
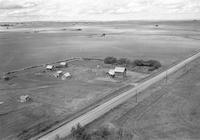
x=98, y=9
x=13, y=5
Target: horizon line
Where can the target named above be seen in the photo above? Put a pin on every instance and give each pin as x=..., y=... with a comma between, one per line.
x=147, y=20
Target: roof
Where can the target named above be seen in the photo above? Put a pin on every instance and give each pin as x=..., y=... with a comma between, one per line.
x=120, y=69
x=49, y=66
x=23, y=97
x=111, y=72
x=67, y=74
x=63, y=63
x=59, y=72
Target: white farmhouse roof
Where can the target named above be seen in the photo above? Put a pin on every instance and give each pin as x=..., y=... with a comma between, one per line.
x=49, y=66
x=111, y=72
x=120, y=69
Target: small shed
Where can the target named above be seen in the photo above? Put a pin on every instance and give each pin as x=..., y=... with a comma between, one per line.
x=59, y=73
x=63, y=64
x=120, y=71
x=111, y=73
x=49, y=67
x=24, y=98
x=66, y=75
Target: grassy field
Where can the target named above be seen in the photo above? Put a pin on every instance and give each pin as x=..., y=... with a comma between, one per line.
x=166, y=111
x=21, y=46
x=54, y=99
x=36, y=43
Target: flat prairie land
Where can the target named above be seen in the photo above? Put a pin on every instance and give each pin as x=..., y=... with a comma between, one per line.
x=42, y=42
x=53, y=99
x=166, y=111
x=34, y=43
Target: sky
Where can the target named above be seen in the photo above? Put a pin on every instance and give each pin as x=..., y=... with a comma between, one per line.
x=98, y=10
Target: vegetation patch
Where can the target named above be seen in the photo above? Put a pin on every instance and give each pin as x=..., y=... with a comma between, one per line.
x=103, y=133
x=150, y=65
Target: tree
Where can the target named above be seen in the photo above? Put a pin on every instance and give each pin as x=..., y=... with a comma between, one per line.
x=138, y=62
x=123, y=61
x=110, y=60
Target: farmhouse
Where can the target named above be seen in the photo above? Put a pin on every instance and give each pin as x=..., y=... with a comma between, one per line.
x=120, y=71
x=49, y=67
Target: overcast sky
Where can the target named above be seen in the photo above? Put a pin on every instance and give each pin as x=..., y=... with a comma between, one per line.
x=67, y=10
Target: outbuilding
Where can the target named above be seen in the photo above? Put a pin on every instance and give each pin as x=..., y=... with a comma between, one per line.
x=59, y=73
x=49, y=67
x=24, y=98
x=111, y=73
x=66, y=75
x=63, y=64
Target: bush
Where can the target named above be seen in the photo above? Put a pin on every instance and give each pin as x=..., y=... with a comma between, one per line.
x=154, y=64
x=6, y=78
x=79, y=133
x=102, y=133
x=110, y=60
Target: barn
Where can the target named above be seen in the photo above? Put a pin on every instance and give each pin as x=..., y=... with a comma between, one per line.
x=120, y=71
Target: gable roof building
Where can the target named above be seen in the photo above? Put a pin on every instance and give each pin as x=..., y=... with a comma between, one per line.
x=120, y=69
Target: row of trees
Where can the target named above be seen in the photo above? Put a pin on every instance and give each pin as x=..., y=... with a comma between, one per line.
x=154, y=64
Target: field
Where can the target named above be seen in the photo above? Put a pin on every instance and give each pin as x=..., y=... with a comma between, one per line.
x=21, y=46
x=53, y=99
x=168, y=110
